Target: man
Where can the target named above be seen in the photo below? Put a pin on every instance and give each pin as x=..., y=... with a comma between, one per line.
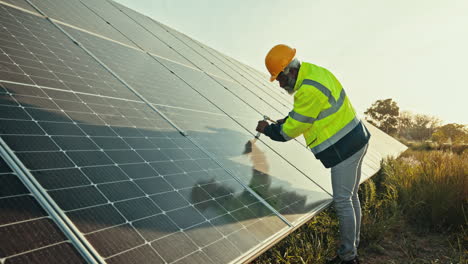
x=324, y=115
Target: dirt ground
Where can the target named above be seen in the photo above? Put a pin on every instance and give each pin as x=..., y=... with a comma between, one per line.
x=407, y=246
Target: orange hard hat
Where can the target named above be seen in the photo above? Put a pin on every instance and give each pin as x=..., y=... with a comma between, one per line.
x=278, y=58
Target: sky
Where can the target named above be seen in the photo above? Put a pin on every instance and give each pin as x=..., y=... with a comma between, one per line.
x=415, y=52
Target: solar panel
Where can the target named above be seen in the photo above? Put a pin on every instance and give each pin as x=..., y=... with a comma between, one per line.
x=142, y=157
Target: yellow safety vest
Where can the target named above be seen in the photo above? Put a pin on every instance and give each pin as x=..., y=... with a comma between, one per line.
x=322, y=111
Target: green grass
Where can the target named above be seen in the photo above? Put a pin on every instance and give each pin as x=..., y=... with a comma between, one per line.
x=415, y=210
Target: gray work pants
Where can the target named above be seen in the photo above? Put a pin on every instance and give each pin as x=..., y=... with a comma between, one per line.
x=345, y=183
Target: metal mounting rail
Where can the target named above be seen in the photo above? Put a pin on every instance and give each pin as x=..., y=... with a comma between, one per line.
x=48, y=204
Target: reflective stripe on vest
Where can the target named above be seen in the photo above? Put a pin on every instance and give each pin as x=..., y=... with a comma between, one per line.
x=337, y=136
x=335, y=105
x=285, y=136
x=321, y=88
x=301, y=118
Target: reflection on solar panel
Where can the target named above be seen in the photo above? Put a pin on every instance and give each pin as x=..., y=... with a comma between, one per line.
x=133, y=138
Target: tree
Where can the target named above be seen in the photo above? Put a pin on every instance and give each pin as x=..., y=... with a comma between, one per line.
x=423, y=126
x=384, y=115
x=454, y=133
x=405, y=122
x=416, y=126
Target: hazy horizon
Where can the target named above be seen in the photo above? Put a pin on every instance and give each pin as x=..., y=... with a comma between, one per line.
x=410, y=51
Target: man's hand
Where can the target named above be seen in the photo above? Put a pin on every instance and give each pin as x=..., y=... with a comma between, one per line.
x=261, y=126
x=280, y=121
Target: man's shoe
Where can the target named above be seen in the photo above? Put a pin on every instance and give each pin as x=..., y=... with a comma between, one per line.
x=337, y=260
x=353, y=261
x=334, y=260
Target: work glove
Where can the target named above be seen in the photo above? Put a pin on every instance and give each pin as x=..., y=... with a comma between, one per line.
x=262, y=124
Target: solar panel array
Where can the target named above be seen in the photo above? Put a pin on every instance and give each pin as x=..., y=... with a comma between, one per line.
x=131, y=142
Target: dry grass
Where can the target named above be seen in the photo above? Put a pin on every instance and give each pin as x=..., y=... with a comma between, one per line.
x=432, y=188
